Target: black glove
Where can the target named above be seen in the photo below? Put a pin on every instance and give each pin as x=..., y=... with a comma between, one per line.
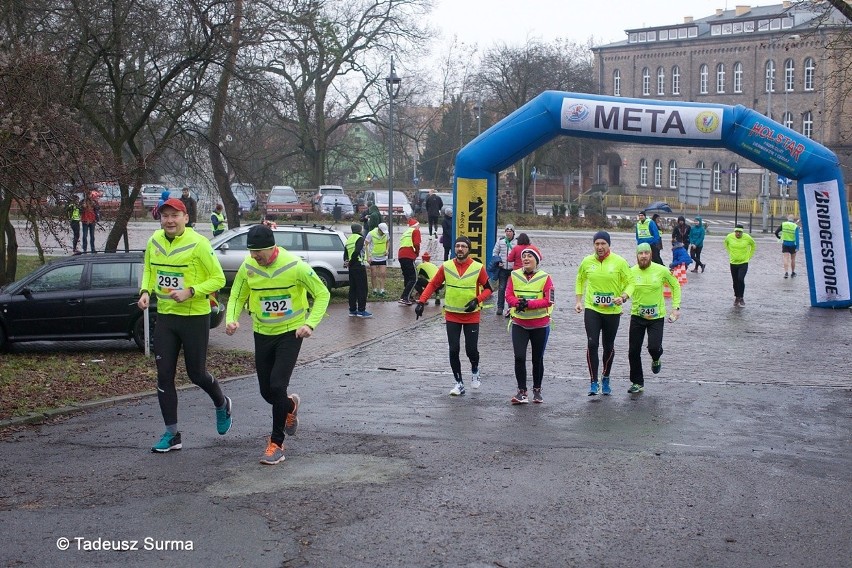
x=418, y=309
x=522, y=305
x=471, y=306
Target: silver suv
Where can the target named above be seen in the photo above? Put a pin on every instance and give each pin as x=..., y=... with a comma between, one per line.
x=321, y=247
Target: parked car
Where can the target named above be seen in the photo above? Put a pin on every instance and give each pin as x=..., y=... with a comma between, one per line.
x=81, y=297
x=151, y=193
x=325, y=190
x=321, y=247
x=246, y=197
x=419, y=204
x=401, y=206
x=328, y=202
x=283, y=201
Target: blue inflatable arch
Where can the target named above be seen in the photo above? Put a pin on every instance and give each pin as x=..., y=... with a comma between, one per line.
x=822, y=196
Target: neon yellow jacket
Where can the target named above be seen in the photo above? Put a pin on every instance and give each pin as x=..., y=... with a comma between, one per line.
x=187, y=261
x=277, y=294
x=740, y=250
x=603, y=281
x=648, y=300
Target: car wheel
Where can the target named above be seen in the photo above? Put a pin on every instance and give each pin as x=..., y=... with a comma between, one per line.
x=139, y=331
x=326, y=278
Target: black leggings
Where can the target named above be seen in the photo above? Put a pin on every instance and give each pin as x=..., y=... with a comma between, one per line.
x=357, y=287
x=172, y=332
x=598, y=324
x=738, y=274
x=409, y=276
x=537, y=338
x=471, y=345
x=638, y=327
x=695, y=253
x=275, y=358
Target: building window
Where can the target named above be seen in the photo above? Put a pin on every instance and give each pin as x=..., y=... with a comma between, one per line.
x=658, y=173
x=643, y=172
x=672, y=174
x=770, y=77
x=616, y=83
x=787, y=119
x=717, y=177
x=720, y=78
x=789, y=75
x=810, y=68
x=646, y=81
x=661, y=81
x=675, y=80
x=808, y=124
x=733, y=176
x=699, y=164
x=738, y=77
x=703, y=74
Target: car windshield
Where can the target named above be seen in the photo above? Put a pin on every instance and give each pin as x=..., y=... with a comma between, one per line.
x=282, y=196
x=341, y=199
x=398, y=198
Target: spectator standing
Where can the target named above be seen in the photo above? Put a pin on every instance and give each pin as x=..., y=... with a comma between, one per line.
x=657, y=246
x=696, y=243
x=434, y=205
x=501, y=249
x=607, y=282
x=217, y=220
x=376, y=243
x=74, y=213
x=788, y=232
x=181, y=271
x=409, y=249
x=275, y=283
x=648, y=313
x=531, y=295
x=89, y=216
x=680, y=233
x=741, y=248
x=353, y=258
x=447, y=232
x=191, y=206
x=647, y=231
x=467, y=287
x=515, y=260
x=336, y=212
x=374, y=217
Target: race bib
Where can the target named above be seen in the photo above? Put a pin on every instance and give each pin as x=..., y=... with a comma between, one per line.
x=603, y=298
x=648, y=312
x=276, y=306
x=169, y=281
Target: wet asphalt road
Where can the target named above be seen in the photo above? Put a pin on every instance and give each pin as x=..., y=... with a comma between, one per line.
x=736, y=455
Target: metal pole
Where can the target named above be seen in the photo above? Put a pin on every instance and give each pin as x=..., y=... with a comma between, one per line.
x=393, y=83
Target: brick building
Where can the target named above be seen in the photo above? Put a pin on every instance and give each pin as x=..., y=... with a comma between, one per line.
x=773, y=59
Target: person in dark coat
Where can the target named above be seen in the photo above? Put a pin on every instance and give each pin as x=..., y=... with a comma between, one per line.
x=434, y=205
x=447, y=232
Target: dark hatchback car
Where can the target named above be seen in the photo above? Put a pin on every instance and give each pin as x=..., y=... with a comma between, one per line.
x=82, y=297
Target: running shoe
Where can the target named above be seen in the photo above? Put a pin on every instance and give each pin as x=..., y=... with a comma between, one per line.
x=793, y=274
x=537, y=396
x=223, y=417
x=474, y=380
x=292, y=420
x=635, y=389
x=520, y=398
x=594, y=388
x=786, y=275
x=353, y=313
x=458, y=390
x=168, y=443
x=656, y=366
x=363, y=314
x=274, y=453
x=605, y=386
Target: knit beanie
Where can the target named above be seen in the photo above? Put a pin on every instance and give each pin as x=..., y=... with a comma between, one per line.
x=602, y=235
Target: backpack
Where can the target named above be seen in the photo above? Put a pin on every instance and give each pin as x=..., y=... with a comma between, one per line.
x=155, y=212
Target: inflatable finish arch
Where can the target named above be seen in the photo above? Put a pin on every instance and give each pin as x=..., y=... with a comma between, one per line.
x=822, y=196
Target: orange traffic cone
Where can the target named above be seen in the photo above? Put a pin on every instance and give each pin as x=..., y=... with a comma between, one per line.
x=667, y=292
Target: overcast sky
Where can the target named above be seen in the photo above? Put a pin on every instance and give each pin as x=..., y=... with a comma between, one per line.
x=513, y=21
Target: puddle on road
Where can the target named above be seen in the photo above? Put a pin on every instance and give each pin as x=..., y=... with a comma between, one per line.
x=310, y=471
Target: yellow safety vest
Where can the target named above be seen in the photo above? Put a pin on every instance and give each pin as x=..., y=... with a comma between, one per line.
x=405, y=241
x=532, y=289
x=643, y=229
x=350, y=248
x=380, y=243
x=461, y=289
x=788, y=231
x=429, y=269
x=74, y=212
x=220, y=226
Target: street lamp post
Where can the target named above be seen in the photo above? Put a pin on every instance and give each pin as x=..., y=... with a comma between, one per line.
x=392, y=82
x=477, y=108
